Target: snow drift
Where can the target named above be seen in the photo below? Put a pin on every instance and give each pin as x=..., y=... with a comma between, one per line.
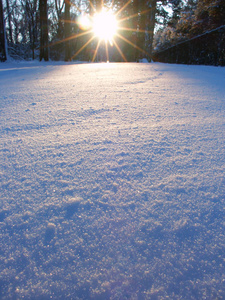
x=112, y=181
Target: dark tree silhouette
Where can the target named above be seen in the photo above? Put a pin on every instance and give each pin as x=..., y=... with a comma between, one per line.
x=2, y=35
x=67, y=30
x=43, y=10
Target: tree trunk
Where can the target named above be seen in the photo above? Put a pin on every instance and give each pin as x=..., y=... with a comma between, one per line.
x=139, y=24
x=9, y=22
x=28, y=15
x=59, y=8
x=2, y=35
x=43, y=10
x=151, y=26
x=142, y=26
x=67, y=30
x=34, y=27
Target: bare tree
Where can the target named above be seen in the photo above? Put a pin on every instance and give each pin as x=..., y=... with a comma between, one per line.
x=2, y=35
x=30, y=10
x=151, y=26
x=59, y=5
x=9, y=21
x=67, y=30
x=43, y=11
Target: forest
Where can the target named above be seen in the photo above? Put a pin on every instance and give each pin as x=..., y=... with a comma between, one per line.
x=59, y=29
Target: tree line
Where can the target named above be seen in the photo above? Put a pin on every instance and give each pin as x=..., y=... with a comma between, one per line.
x=190, y=19
x=49, y=29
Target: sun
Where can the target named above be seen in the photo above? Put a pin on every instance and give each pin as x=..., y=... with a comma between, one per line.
x=105, y=25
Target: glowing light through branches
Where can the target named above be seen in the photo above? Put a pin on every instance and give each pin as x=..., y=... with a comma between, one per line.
x=104, y=26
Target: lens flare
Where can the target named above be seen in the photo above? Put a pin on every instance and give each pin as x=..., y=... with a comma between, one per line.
x=84, y=22
x=107, y=27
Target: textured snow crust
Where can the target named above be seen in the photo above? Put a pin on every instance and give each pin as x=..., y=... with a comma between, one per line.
x=112, y=181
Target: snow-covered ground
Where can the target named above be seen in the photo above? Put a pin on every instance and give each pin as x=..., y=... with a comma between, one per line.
x=112, y=181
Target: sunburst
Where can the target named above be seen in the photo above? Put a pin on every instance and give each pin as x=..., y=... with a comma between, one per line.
x=106, y=26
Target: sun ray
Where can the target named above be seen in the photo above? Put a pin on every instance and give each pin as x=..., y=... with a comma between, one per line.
x=107, y=51
x=103, y=25
x=135, y=15
x=132, y=44
x=70, y=21
x=92, y=5
x=84, y=46
x=134, y=29
x=70, y=38
x=122, y=8
x=96, y=51
x=120, y=51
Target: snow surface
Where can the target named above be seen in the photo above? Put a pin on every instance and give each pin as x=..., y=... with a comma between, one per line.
x=112, y=181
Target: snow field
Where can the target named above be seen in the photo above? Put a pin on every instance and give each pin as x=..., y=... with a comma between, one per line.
x=112, y=181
